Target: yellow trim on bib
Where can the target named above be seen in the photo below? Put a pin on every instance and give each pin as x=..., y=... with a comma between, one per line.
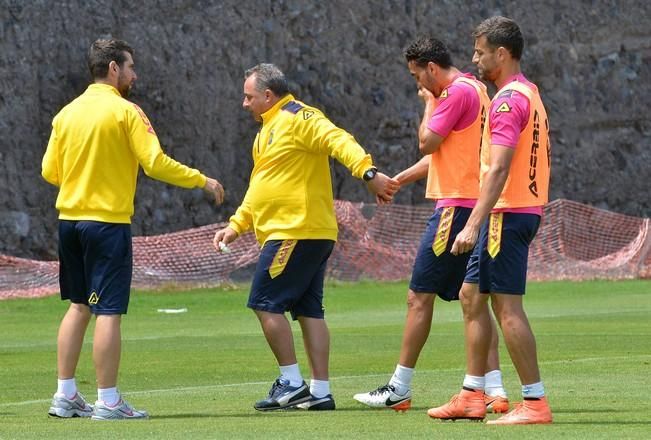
x=443, y=231
x=495, y=233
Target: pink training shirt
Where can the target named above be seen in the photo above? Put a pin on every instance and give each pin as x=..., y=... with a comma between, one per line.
x=455, y=111
x=506, y=126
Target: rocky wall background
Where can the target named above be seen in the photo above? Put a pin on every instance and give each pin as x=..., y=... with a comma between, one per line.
x=591, y=60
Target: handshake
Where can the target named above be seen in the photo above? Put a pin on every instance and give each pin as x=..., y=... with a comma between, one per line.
x=383, y=187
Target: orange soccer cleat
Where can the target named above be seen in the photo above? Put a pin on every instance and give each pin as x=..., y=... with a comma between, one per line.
x=465, y=405
x=496, y=404
x=529, y=412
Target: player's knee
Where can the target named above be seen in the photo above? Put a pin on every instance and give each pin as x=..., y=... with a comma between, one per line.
x=507, y=307
x=80, y=309
x=420, y=301
x=473, y=304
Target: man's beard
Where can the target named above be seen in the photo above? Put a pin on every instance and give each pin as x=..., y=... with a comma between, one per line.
x=123, y=87
x=124, y=90
x=486, y=75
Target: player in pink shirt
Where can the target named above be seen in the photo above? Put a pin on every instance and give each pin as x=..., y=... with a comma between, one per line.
x=514, y=187
x=509, y=114
x=455, y=112
x=449, y=137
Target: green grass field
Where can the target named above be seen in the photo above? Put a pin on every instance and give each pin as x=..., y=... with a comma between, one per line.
x=198, y=373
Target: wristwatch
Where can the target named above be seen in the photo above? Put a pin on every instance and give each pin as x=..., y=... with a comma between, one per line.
x=369, y=174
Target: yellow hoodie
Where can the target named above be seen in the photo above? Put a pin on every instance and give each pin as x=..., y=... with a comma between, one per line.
x=290, y=189
x=96, y=145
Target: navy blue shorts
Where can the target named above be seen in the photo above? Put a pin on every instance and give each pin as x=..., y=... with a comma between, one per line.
x=289, y=277
x=472, y=269
x=436, y=270
x=507, y=236
x=96, y=263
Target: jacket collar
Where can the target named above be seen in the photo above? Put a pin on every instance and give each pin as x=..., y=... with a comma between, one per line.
x=100, y=87
x=269, y=114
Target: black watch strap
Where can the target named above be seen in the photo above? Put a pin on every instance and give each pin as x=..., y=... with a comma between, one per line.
x=369, y=174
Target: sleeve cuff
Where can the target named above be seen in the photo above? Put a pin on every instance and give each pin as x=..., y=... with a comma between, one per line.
x=364, y=165
x=234, y=226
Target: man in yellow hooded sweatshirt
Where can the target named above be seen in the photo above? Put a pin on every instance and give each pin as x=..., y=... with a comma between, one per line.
x=97, y=145
x=289, y=205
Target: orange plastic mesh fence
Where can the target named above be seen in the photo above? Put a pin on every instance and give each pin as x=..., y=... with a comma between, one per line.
x=575, y=242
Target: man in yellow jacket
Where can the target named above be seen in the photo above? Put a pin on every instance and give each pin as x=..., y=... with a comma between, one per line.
x=97, y=144
x=289, y=205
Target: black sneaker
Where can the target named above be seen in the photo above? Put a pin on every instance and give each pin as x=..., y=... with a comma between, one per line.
x=282, y=395
x=326, y=403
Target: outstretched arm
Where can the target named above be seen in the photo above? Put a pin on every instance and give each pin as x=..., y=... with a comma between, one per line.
x=415, y=172
x=319, y=134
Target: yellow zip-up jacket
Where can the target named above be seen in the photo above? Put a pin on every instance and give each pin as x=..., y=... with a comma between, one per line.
x=96, y=145
x=290, y=190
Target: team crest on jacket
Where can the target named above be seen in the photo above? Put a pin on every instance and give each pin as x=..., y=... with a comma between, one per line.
x=307, y=114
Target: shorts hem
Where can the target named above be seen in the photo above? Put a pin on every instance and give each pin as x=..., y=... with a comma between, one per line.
x=443, y=295
x=265, y=309
x=418, y=289
x=503, y=291
x=108, y=312
x=295, y=316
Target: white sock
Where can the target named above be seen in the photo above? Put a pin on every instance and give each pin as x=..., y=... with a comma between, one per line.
x=494, y=386
x=401, y=379
x=291, y=373
x=476, y=383
x=535, y=390
x=319, y=388
x=110, y=396
x=67, y=387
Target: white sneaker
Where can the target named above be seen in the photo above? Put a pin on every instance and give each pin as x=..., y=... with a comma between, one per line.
x=65, y=408
x=385, y=397
x=122, y=410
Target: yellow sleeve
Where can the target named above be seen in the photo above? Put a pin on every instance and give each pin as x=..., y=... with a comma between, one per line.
x=153, y=161
x=242, y=220
x=319, y=134
x=49, y=166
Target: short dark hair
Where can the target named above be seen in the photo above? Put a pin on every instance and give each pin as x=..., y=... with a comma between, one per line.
x=426, y=49
x=501, y=31
x=269, y=76
x=102, y=52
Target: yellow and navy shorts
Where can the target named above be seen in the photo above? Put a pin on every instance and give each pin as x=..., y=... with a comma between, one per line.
x=96, y=263
x=289, y=277
x=504, y=252
x=436, y=270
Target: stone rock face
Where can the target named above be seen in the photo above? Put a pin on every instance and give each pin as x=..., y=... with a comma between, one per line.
x=591, y=60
